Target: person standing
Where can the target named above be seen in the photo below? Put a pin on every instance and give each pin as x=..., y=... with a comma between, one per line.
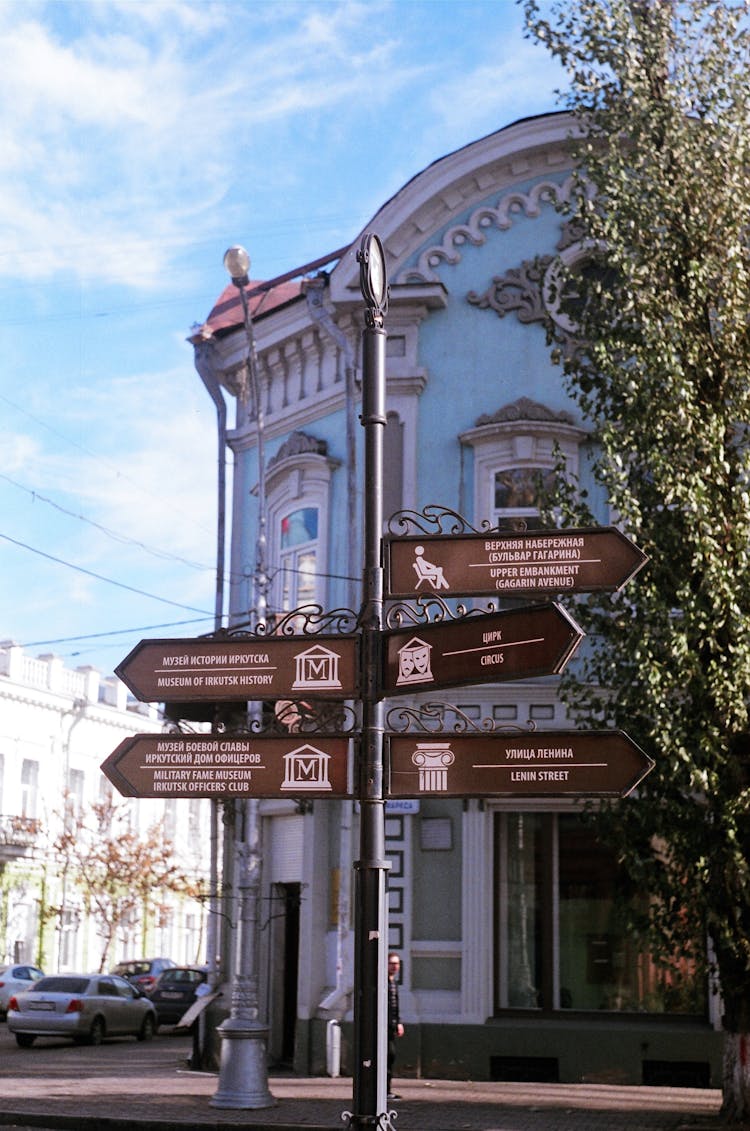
x=395, y=1027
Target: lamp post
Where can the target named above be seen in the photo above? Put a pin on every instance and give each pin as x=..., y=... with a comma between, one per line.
x=243, y=1071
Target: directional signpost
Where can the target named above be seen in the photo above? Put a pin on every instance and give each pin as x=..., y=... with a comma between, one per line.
x=202, y=670
x=373, y=664
x=515, y=644
x=230, y=765
x=542, y=764
x=537, y=561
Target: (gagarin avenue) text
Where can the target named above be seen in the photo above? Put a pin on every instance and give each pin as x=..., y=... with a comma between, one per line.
x=515, y=562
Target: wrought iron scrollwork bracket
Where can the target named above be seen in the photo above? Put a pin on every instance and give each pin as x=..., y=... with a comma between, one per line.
x=298, y=716
x=307, y=620
x=437, y=519
x=429, y=608
x=432, y=718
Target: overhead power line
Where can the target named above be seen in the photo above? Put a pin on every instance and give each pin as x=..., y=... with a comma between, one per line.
x=81, y=447
x=122, y=538
x=100, y=577
x=112, y=632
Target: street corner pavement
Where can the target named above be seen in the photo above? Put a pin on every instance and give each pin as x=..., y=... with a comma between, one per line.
x=126, y=1086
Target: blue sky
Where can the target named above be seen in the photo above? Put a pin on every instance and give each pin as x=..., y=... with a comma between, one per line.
x=139, y=139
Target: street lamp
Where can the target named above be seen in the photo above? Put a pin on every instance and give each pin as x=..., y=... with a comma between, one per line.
x=243, y=1071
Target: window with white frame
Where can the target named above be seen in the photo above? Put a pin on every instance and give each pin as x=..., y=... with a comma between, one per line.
x=516, y=451
x=516, y=492
x=170, y=819
x=74, y=798
x=76, y=781
x=298, y=534
x=29, y=787
x=298, y=484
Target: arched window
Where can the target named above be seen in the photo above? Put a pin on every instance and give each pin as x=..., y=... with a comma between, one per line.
x=298, y=582
x=298, y=484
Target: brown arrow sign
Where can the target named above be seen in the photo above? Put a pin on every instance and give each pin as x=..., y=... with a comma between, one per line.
x=538, y=561
x=542, y=764
x=515, y=644
x=201, y=670
x=180, y=765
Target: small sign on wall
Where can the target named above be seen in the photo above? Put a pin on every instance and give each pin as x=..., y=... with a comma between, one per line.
x=436, y=834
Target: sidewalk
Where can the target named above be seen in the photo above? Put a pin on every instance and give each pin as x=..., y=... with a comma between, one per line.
x=171, y=1098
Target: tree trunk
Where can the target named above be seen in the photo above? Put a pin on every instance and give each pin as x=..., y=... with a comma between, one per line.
x=735, y=1106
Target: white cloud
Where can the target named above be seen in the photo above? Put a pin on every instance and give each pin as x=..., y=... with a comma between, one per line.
x=126, y=134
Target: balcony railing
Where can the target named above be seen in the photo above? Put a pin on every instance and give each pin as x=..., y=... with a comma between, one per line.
x=19, y=832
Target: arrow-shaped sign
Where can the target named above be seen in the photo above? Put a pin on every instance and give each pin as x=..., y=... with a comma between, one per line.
x=542, y=764
x=203, y=670
x=515, y=644
x=204, y=765
x=536, y=561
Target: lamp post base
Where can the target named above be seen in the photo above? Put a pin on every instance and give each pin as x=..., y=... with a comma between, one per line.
x=243, y=1073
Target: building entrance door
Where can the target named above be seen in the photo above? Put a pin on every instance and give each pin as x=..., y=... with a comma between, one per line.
x=284, y=956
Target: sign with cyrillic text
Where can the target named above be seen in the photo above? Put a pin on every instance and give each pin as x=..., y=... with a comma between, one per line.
x=537, y=561
x=204, y=670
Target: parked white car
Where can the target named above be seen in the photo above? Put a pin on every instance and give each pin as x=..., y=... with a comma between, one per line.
x=15, y=979
x=85, y=1007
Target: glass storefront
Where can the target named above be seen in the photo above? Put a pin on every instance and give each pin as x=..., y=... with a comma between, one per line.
x=563, y=942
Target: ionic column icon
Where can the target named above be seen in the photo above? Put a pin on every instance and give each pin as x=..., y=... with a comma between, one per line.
x=433, y=758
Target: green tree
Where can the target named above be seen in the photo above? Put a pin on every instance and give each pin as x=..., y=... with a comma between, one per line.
x=121, y=873
x=660, y=93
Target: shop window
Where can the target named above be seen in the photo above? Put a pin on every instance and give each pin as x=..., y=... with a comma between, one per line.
x=523, y=924
x=562, y=936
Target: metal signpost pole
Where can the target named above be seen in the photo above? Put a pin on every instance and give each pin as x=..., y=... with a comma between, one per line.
x=370, y=964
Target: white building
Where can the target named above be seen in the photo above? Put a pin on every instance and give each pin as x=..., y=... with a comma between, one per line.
x=57, y=725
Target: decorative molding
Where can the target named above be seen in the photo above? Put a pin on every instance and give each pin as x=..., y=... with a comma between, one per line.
x=483, y=219
x=533, y=291
x=518, y=291
x=525, y=409
x=299, y=443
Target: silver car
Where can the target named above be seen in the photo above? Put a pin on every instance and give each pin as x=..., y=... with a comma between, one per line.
x=85, y=1007
x=13, y=979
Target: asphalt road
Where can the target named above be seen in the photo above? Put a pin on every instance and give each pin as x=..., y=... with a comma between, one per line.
x=60, y=1058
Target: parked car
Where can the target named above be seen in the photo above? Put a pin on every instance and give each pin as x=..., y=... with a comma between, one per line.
x=86, y=1007
x=175, y=992
x=13, y=979
x=143, y=972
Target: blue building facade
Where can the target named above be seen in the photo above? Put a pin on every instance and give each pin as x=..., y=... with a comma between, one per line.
x=515, y=963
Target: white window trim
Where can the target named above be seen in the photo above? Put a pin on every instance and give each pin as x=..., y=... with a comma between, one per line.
x=302, y=480
x=507, y=444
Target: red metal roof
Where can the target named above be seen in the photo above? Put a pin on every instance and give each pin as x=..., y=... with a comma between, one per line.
x=227, y=311
x=263, y=297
